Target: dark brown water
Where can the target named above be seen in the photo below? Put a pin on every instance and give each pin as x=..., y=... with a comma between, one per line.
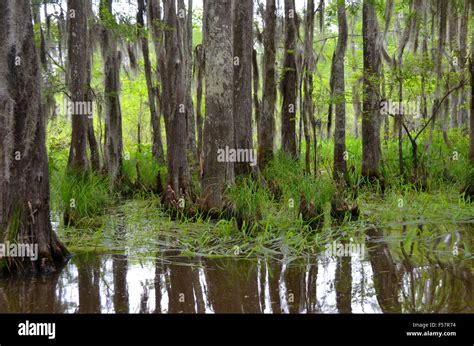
x=385, y=280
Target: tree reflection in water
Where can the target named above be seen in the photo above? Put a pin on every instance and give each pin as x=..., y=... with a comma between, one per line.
x=406, y=275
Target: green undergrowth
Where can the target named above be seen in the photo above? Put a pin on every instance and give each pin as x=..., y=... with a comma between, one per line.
x=140, y=226
x=82, y=198
x=133, y=220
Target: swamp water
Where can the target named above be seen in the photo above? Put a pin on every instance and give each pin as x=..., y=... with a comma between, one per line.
x=392, y=276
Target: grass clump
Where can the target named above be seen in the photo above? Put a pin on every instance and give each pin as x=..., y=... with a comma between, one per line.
x=140, y=172
x=81, y=198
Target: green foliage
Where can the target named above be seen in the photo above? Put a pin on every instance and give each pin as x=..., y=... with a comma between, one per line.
x=249, y=198
x=140, y=171
x=123, y=26
x=80, y=197
x=289, y=175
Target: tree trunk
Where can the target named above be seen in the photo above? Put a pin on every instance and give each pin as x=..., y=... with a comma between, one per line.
x=242, y=107
x=256, y=88
x=448, y=12
x=438, y=58
x=340, y=155
x=308, y=108
x=471, y=122
x=266, y=125
x=399, y=117
x=454, y=65
x=218, y=126
x=93, y=145
x=61, y=35
x=24, y=181
x=175, y=109
x=288, y=83
x=371, y=104
x=331, y=97
x=49, y=104
x=463, y=113
x=113, y=115
x=154, y=16
x=157, y=147
x=92, y=141
x=36, y=7
x=199, y=73
x=356, y=106
x=77, y=83
x=187, y=25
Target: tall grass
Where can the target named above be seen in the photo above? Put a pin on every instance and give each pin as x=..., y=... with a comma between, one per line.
x=140, y=171
x=290, y=177
x=80, y=197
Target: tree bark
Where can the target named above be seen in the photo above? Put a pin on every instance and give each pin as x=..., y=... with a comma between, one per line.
x=154, y=16
x=242, y=107
x=36, y=7
x=442, y=8
x=463, y=113
x=91, y=139
x=199, y=67
x=77, y=83
x=331, y=97
x=356, y=106
x=256, y=87
x=175, y=109
x=218, y=126
x=266, y=125
x=157, y=147
x=471, y=122
x=288, y=83
x=24, y=181
x=340, y=155
x=308, y=107
x=371, y=102
x=454, y=64
x=187, y=24
x=113, y=114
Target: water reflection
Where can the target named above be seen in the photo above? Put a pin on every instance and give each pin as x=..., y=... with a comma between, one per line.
x=88, y=278
x=343, y=284
x=391, y=278
x=385, y=278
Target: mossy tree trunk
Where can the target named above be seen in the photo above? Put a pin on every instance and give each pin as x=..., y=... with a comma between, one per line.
x=154, y=18
x=175, y=106
x=113, y=115
x=77, y=84
x=24, y=182
x=157, y=146
x=91, y=138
